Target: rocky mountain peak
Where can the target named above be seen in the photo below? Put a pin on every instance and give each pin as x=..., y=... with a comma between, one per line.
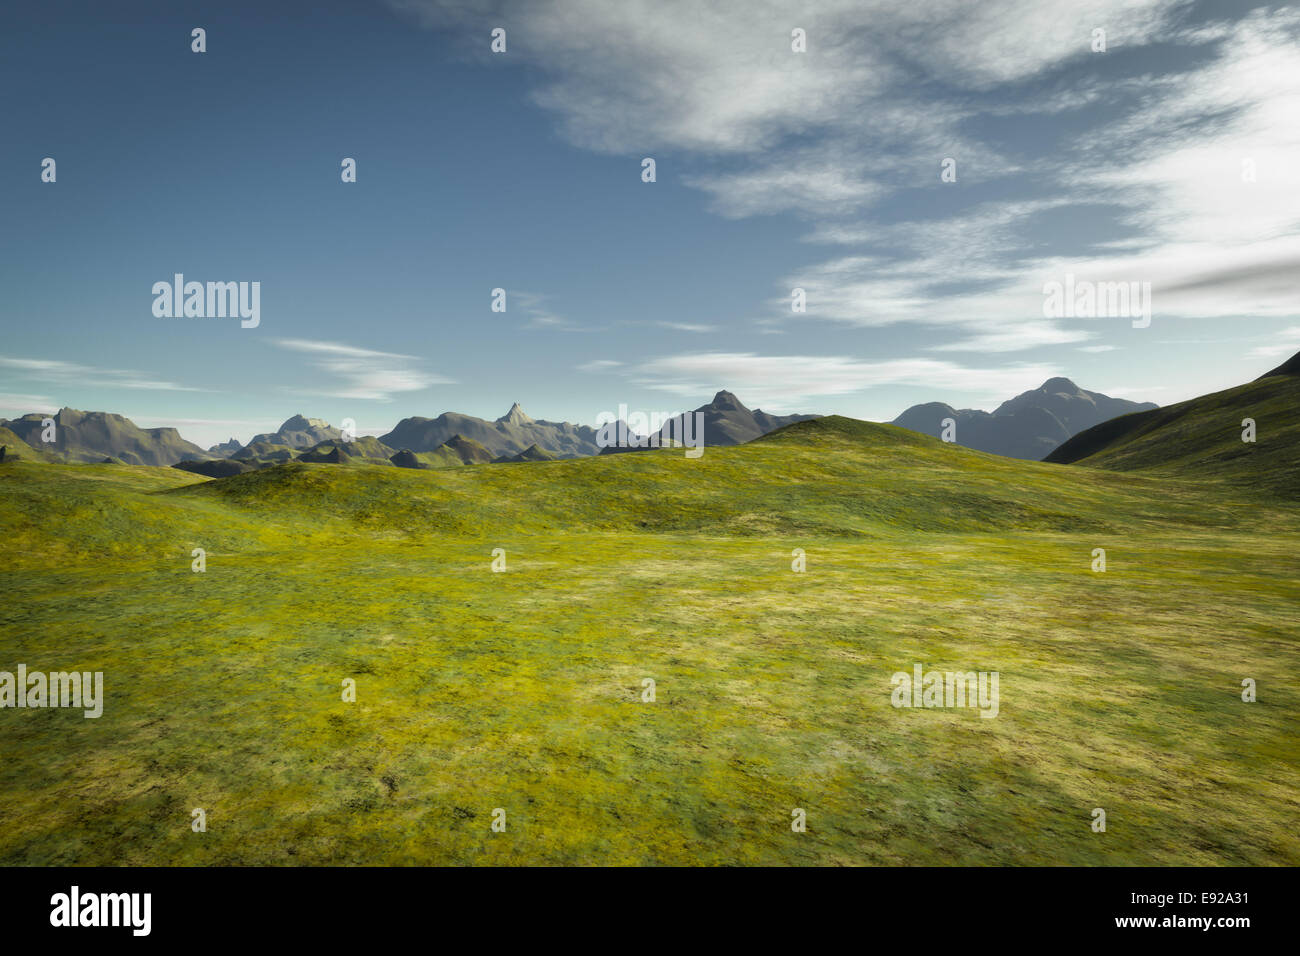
x=515, y=416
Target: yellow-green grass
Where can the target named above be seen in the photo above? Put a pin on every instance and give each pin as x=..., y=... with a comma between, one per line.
x=522, y=690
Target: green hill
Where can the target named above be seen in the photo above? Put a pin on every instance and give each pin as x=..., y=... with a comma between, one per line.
x=444, y=456
x=262, y=451
x=1202, y=438
x=531, y=453
x=16, y=449
x=770, y=590
x=467, y=450
x=826, y=477
x=407, y=459
x=216, y=468
x=365, y=450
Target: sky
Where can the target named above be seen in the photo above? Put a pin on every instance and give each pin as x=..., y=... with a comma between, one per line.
x=1170, y=157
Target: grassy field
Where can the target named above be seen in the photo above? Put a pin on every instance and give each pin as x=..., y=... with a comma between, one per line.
x=522, y=690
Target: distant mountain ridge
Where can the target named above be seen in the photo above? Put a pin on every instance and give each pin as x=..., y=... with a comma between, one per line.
x=450, y=439
x=93, y=436
x=726, y=422
x=299, y=432
x=1028, y=426
x=511, y=434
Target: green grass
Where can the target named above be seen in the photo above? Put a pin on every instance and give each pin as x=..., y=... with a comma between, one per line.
x=522, y=689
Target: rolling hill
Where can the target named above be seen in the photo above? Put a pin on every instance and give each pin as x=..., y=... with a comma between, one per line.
x=362, y=450
x=524, y=689
x=455, y=451
x=13, y=448
x=216, y=468
x=265, y=451
x=531, y=453
x=467, y=450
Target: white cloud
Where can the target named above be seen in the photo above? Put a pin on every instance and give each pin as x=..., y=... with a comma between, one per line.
x=721, y=78
x=366, y=374
x=887, y=90
x=15, y=405
x=538, y=314
x=688, y=327
x=805, y=186
x=786, y=381
x=1287, y=343
x=58, y=372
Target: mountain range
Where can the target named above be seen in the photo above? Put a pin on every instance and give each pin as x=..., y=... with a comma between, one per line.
x=1028, y=426
x=451, y=438
x=726, y=422
x=511, y=434
x=93, y=436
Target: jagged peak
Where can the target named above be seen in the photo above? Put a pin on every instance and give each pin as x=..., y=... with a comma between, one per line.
x=516, y=416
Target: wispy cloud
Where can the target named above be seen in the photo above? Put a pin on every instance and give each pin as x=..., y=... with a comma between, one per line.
x=688, y=327
x=841, y=135
x=783, y=382
x=13, y=404
x=1287, y=342
x=537, y=314
x=600, y=365
x=57, y=372
x=364, y=373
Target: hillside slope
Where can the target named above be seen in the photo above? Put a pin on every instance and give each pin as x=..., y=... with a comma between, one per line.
x=829, y=477
x=1202, y=437
x=14, y=448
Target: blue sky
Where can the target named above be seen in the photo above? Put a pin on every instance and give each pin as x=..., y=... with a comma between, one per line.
x=522, y=170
